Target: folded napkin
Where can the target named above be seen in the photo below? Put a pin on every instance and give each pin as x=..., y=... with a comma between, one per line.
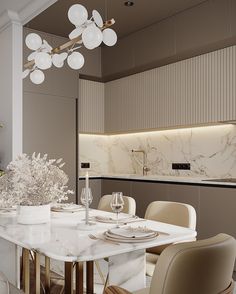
x=131, y=233
x=66, y=207
x=105, y=219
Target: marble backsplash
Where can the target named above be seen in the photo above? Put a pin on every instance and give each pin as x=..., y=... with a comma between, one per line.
x=211, y=151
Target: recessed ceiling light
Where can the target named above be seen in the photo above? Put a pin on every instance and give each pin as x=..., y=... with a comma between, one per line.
x=129, y=3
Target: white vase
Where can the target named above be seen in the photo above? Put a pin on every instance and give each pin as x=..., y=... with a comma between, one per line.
x=32, y=215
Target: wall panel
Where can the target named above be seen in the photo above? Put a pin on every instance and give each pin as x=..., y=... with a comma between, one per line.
x=195, y=91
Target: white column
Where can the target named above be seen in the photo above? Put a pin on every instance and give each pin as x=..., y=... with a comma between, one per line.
x=11, y=92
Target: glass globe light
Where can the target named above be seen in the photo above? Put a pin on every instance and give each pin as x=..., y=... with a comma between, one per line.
x=57, y=61
x=75, y=60
x=97, y=18
x=92, y=37
x=77, y=14
x=109, y=37
x=32, y=56
x=37, y=77
x=33, y=41
x=76, y=33
x=43, y=60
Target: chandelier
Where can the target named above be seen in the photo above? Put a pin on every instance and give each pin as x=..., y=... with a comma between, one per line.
x=89, y=33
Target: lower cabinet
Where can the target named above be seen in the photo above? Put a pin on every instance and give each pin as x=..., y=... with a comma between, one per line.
x=215, y=206
x=111, y=185
x=146, y=192
x=217, y=211
x=188, y=194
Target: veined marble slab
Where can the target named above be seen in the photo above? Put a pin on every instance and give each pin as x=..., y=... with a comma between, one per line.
x=211, y=151
x=62, y=240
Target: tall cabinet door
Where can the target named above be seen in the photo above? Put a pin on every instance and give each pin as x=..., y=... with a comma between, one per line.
x=49, y=126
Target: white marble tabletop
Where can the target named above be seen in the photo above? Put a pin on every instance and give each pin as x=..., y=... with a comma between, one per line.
x=62, y=240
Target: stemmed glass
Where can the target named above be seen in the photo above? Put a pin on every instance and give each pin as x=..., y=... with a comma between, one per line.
x=117, y=205
x=86, y=199
x=83, y=198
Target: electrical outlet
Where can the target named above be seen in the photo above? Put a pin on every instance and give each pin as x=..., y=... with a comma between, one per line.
x=85, y=164
x=181, y=166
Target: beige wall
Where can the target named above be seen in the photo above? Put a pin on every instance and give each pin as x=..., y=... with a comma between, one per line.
x=203, y=28
x=49, y=114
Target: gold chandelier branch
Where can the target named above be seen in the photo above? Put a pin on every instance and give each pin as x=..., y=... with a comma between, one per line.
x=70, y=43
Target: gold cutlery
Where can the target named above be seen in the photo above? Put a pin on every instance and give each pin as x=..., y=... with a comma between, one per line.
x=101, y=239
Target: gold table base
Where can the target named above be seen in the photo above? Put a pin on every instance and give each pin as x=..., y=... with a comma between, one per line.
x=69, y=277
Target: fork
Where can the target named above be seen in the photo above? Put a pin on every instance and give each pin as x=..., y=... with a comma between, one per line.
x=101, y=239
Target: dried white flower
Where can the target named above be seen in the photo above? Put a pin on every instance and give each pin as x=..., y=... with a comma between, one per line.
x=33, y=181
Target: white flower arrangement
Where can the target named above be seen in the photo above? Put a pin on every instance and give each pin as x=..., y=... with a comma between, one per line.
x=33, y=181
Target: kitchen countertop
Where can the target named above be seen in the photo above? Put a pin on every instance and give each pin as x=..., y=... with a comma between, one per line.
x=169, y=179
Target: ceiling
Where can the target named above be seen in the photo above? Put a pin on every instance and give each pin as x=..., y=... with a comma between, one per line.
x=128, y=19
x=14, y=5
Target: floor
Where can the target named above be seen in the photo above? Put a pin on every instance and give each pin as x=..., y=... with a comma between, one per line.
x=57, y=282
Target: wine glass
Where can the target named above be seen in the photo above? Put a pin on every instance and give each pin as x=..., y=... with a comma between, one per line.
x=117, y=204
x=83, y=198
x=86, y=199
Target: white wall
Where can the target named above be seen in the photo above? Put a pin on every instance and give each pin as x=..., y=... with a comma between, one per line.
x=11, y=93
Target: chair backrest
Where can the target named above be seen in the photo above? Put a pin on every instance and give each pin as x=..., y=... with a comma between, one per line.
x=200, y=267
x=129, y=204
x=175, y=213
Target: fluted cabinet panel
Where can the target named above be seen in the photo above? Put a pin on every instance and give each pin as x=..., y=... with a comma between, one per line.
x=91, y=107
x=195, y=91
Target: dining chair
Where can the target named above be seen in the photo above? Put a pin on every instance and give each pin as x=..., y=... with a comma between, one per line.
x=200, y=267
x=104, y=204
x=174, y=213
x=129, y=204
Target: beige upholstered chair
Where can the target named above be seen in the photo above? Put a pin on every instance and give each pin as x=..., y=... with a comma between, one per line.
x=200, y=267
x=174, y=213
x=129, y=204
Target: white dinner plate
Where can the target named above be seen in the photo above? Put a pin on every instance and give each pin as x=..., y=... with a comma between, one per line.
x=130, y=240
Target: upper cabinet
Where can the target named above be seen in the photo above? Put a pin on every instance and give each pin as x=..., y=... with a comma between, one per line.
x=199, y=90
x=196, y=91
x=91, y=106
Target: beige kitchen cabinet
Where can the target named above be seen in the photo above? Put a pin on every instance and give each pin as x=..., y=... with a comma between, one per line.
x=188, y=194
x=147, y=192
x=186, y=93
x=113, y=185
x=215, y=205
x=217, y=211
x=91, y=107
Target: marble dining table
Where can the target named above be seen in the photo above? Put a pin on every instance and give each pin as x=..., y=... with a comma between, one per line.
x=63, y=240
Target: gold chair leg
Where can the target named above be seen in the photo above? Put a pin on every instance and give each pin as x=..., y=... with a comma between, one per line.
x=68, y=278
x=106, y=283
x=37, y=272
x=47, y=275
x=79, y=274
x=26, y=270
x=100, y=272
x=89, y=277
